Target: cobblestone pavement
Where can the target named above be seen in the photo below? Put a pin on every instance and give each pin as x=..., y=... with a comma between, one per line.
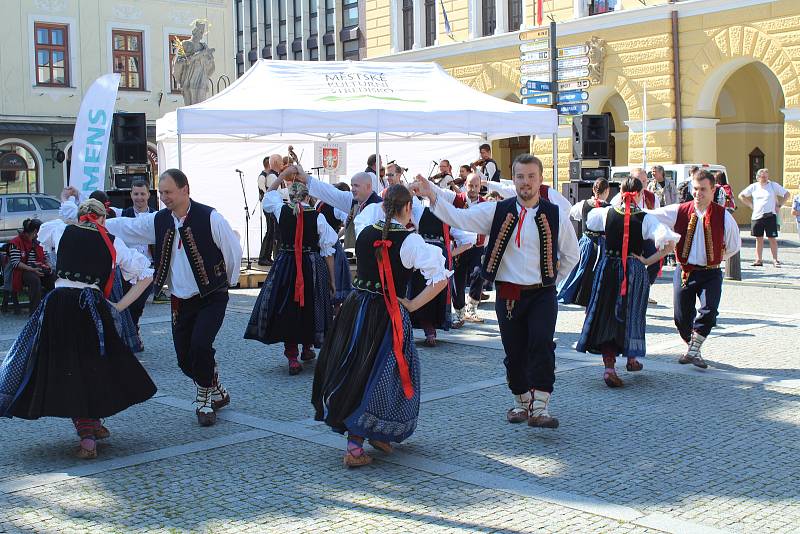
x=676, y=450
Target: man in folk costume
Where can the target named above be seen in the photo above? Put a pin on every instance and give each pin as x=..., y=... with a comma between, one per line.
x=506, y=189
x=200, y=255
x=709, y=234
x=531, y=247
x=467, y=265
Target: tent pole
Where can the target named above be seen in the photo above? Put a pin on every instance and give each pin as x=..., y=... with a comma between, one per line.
x=555, y=160
x=378, y=156
x=180, y=159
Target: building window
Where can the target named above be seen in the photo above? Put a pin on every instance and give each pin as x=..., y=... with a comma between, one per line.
x=314, y=54
x=330, y=52
x=597, y=7
x=298, y=56
x=349, y=13
x=430, y=22
x=489, y=17
x=128, y=59
x=239, y=29
x=408, y=24
x=253, y=31
x=266, y=13
x=19, y=172
x=514, y=15
x=52, y=54
x=350, y=49
x=282, y=20
x=172, y=44
x=330, y=24
x=313, y=7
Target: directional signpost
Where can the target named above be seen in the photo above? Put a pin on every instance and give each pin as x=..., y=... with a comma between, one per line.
x=574, y=85
x=565, y=97
x=539, y=99
x=572, y=109
x=536, y=85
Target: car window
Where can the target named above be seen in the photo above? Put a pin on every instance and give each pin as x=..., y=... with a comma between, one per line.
x=47, y=203
x=19, y=204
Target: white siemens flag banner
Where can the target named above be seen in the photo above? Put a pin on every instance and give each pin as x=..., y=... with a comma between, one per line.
x=92, y=130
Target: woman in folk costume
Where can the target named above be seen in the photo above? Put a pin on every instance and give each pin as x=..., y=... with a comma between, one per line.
x=577, y=287
x=367, y=380
x=294, y=306
x=615, y=317
x=436, y=314
x=69, y=360
x=126, y=327
x=336, y=219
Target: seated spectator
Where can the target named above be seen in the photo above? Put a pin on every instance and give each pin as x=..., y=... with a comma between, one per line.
x=27, y=264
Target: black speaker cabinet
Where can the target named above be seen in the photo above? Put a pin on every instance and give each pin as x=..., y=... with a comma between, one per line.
x=130, y=138
x=588, y=171
x=590, y=137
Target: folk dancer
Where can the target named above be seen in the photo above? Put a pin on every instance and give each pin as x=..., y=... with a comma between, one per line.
x=531, y=248
x=199, y=255
x=577, y=287
x=367, y=379
x=708, y=235
x=69, y=360
x=341, y=267
x=615, y=316
x=467, y=264
x=294, y=305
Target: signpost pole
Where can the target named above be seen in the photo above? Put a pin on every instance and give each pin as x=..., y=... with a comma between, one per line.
x=644, y=127
x=554, y=89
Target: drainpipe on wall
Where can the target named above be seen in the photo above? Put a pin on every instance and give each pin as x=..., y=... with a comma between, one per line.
x=676, y=75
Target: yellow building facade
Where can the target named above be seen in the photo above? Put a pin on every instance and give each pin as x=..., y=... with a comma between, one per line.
x=53, y=50
x=721, y=77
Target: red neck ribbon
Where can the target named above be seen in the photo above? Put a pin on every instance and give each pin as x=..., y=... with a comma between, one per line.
x=446, y=231
x=299, y=283
x=92, y=218
x=522, y=212
x=628, y=198
x=393, y=307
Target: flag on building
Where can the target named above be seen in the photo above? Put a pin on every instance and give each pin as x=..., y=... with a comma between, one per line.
x=447, y=29
x=539, y=12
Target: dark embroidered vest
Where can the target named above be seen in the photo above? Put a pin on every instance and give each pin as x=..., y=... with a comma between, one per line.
x=588, y=206
x=205, y=257
x=615, y=226
x=83, y=256
x=496, y=176
x=430, y=226
x=504, y=225
x=288, y=224
x=330, y=217
x=686, y=226
x=367, y=274
x=129, y=212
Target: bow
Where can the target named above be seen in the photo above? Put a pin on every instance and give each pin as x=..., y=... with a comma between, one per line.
x=92, y=218
x=628, y=198
x=299, y=282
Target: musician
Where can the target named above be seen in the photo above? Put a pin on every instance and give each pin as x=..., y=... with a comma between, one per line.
x=445, y=175
x=394, y=175
x=273, y=165
x=463, y=175
x=378, y=181
x=486, y=166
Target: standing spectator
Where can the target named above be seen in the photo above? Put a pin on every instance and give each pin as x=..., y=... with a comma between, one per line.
x=27, y=265
x=663, y=189
x=796, y=213
x=765, y=198
x=273, y=165
x=723, y=194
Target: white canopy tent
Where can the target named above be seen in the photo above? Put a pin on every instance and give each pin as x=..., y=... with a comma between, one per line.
x=412, y=112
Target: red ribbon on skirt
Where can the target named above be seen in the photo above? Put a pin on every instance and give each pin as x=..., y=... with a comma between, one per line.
x=299, y=283
x=393, y=307
x=92, y=218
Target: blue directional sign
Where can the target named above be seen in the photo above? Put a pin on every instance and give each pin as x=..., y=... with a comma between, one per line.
x=572, y=96
x=527, y=91
x=572, y=109
x=539, y=99
x=535, y=85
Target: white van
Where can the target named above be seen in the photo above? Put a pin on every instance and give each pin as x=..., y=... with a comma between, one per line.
x=677, y=173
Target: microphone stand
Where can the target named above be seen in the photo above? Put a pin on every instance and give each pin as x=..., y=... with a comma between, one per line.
x=246, y=220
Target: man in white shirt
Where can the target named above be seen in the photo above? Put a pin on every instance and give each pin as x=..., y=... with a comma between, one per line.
x=373, y=169
x=765, y=198
x=199, y=253
x=273, y=165
x=709, y=235
x=531, y=247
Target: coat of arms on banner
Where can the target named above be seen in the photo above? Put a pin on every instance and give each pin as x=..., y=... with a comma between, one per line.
x=330, y=158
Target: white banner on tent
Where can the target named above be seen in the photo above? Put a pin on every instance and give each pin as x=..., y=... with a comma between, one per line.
x=92, y=131
x=330, y=157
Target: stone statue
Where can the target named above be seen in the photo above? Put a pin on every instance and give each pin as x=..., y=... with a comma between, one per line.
x=597, y=54
x=193, y=65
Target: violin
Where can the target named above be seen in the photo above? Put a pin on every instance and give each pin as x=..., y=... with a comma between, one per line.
x=480, y=162
x=292, y=156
